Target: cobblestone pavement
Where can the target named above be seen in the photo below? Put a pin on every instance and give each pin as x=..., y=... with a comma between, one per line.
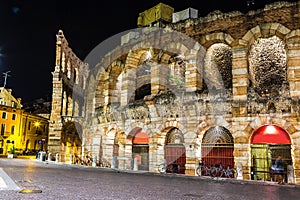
x=63, y=181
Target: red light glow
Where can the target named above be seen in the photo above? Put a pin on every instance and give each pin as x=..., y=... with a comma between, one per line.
x=270, y=130
x=140, y=138
x=270, y=134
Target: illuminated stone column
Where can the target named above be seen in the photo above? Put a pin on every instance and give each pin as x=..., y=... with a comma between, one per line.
x=55, y=125
x=240, y=80
x=194, y=66
x=128, y=86
x=293, y=63
x=159, y=78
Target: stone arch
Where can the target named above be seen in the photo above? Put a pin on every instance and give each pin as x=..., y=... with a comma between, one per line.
x=267, y=143
x=160, y=60
x=211, y=121
x=71, y=140
x=175, y=151
x=219, y=76
x=193, y=55
x=127, y=52
x=118, y=148
x=168, y=125
x=138, y=143
x=217, y=134
x=292, y=34
x=219, y=37
x=265, y=30
x=217, y=146
x=174, y=136
x=268, y=54
x=279, y=121
x=270, y=133
x=112, y=88
x=134, y=125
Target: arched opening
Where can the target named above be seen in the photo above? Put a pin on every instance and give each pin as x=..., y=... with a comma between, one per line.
x=140, y=148
x=267, y=143
x=218, y=67
x=268, y=55
x=143, y=91
x=175, y=153
x=217, y=147
x=71, y=140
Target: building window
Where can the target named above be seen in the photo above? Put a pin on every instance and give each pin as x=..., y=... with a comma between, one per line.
x=29, y=124
x=12, y=130
x=4, y=115
x=2, y=129
x=14, y=116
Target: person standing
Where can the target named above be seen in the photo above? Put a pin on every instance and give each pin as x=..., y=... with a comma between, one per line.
x=279, y=170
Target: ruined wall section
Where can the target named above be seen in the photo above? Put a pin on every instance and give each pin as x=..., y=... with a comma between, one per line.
x=69, y=79
x=238, y=24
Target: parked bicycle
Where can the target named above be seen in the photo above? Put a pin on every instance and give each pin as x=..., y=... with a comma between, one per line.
x=215, y=170
x=203, y=169
x=162, y=168
x=229, y=172
x=171, y=168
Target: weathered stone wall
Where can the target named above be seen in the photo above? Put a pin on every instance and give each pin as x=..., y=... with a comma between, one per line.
x=192, y=110
x=68, y=84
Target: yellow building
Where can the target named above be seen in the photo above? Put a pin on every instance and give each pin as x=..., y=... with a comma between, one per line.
x=20, y=132
x=34, y=135
x=10, y=130
x=7, y=99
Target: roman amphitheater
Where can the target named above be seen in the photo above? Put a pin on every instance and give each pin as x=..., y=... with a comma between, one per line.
x=224, y=88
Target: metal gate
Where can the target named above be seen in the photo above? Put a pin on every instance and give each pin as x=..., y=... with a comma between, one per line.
x=175, y=158
x=217, y=147
x=264, y=156
x=141, y=152
x=213, y=154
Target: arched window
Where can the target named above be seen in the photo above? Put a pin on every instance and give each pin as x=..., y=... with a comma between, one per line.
x=175, y=153
x=217, y=146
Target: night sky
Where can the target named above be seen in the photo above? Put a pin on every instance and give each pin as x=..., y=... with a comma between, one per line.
x=28, y=31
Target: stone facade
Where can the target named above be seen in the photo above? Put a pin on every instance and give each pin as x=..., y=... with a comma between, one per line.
x=8, y=99
x=170, y=85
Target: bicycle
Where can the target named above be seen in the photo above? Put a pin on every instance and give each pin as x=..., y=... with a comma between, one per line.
x=162, y=168
x=203, y=169
x=229, y=172
x=173, y=168
x=217, y=170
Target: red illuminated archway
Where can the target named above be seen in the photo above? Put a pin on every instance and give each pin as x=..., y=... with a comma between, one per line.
x=140, y=147
x=140, y=138
x=270, y=134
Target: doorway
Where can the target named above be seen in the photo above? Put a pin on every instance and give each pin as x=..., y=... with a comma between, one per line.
x=140, y=150
x=267, y=143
